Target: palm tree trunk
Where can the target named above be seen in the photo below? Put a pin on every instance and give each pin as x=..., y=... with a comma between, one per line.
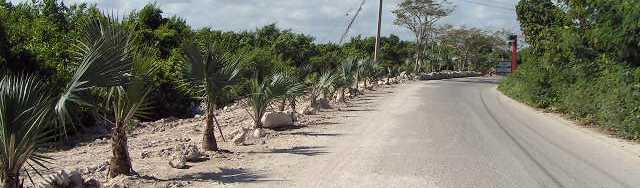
x=257, y=123
x=120, y=163
x=257, y=117
x=11, y=180
x=418, y=49
x=209, y=142
x=292, y=104
x=283, y=104
x=357, y=82
x=314, y=102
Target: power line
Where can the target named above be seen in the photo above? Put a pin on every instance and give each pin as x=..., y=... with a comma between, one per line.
x=353, y=19
x=494, y=1
x=489, y=5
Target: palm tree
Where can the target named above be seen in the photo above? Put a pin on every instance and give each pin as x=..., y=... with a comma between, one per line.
x=322, y=85
x=368, y=71
x=127, y=103
x=287, y=85
x=279, y=86
x=392, y=71
x=109, y=64
x=208, y=73
x=346, y=77
x=26, y=113
x=363, y=72
x=378, y=72
x=258, y=100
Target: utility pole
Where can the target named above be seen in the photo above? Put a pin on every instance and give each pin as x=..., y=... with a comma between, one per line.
x=377, y=48
x=514, y=52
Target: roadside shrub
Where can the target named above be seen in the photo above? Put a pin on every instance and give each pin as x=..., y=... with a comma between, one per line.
x=609, y=96
x=581, y=62
x=530, y=84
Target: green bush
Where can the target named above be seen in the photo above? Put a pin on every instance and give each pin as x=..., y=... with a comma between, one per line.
x=609, y=98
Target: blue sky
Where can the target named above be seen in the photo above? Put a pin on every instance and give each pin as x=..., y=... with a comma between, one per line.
x=323, y=19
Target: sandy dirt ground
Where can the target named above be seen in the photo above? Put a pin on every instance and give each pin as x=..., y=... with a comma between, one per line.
x=152, y=144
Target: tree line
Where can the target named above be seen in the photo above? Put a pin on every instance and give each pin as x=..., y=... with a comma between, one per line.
x=445, y=47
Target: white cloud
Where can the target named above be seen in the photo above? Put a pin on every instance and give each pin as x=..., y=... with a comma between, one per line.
x=323, y=19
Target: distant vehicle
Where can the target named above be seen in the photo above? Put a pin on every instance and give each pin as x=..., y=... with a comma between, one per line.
x=503, y=68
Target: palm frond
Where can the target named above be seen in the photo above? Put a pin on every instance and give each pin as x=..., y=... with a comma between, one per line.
x=104, y=52
x=324, y=84
x=208, y=72
x=285, y=85
x=25, y=115
x=131, y=101
x=346, y=74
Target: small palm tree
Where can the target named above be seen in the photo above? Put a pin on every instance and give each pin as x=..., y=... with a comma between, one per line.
x=377, y=72
x=345, y=77
x=208, y=73
x=127, y=103
x=26, y=115
x=258, y=100
x=392, y=71
x=107, y=63
x=362, y=72
x=279, y=86
x=287, y=86
x=368, y=71
x=322, y=85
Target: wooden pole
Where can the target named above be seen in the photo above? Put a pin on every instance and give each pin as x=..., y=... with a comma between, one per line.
x=377, y=47
x=514, y=53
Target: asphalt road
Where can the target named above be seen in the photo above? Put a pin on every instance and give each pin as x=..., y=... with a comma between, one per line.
x=464, y=133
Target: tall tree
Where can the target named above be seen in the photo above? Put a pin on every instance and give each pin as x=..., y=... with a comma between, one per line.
x=420, y=16
x=538, y=18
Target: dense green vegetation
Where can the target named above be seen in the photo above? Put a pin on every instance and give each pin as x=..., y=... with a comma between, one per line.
x=582, y=60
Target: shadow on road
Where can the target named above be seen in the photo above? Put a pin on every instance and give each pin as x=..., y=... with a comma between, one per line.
x=226, y=175
x=298, y=150
x=476, y=80
x=328, y=123
x=315, y=134
x=359, y=110
x=291, y=127
x=358, y=104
